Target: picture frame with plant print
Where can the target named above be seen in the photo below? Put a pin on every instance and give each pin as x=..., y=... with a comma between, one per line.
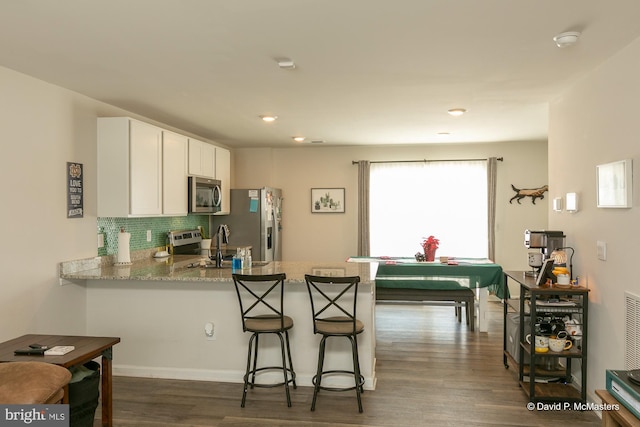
x=327, y=200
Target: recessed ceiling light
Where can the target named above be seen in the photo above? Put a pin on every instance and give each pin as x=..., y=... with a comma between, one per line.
x=298, y=138
x=286, y=63
x=268, y=118
x=457, y=111
x=566, y=39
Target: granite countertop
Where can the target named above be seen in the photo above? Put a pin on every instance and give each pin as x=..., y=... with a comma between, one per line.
x=176, y=268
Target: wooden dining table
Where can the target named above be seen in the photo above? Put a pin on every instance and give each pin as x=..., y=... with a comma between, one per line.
x=400, y=274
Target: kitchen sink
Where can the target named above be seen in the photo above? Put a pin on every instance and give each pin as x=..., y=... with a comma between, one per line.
x=225, y=264
x=259, y=263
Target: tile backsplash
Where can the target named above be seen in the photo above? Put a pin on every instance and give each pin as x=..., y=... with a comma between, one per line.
x=110, y=227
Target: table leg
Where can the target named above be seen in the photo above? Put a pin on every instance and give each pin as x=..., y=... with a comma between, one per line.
x=482, y=309
x=107, y=391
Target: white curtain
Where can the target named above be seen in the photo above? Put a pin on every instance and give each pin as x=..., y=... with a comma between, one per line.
x=412, y=200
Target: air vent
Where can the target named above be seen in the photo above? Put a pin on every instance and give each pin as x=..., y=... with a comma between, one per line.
x=317, y=141
x=632, y=331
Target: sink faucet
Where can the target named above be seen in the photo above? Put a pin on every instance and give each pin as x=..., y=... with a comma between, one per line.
x=222, y=236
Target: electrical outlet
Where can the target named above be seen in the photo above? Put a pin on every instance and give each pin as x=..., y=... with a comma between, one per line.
x=148, y=235
x=100, y=240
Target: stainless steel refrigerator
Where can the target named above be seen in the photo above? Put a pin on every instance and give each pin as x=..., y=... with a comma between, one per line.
x=255, y=220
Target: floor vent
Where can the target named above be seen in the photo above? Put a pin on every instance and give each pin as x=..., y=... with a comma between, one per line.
x=632, y=331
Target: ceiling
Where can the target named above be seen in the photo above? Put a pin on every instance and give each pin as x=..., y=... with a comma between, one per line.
x=367, y=72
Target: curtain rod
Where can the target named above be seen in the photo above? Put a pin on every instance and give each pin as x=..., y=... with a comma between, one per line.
x=355, y=162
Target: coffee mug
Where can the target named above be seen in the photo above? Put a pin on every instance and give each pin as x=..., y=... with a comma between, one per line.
x=559, y=344
x=573, y=328
x=541, y=343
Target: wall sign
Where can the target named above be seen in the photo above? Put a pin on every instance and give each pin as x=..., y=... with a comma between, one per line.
x=75, y=195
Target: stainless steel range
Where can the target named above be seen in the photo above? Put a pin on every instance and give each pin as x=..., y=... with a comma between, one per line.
x=186, y=242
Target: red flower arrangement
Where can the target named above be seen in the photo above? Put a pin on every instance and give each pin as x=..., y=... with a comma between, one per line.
x=430, y=243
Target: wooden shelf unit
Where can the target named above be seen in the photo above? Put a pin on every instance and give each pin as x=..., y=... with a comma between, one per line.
x=534, y=302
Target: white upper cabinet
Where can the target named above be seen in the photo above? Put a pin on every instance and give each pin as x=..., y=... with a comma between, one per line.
x=143, y=170
x=129, y=168
x=223, y=173
x=174, y=174
x=213, y=162
x=202, y=159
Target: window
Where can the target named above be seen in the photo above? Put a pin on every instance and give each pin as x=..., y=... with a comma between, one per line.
x=412, y=200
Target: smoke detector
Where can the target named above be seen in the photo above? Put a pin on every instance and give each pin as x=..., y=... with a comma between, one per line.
x=566, y=39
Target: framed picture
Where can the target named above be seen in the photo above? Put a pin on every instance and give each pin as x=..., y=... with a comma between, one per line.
x=545, y=272
x=615, y=184
x=327, y=200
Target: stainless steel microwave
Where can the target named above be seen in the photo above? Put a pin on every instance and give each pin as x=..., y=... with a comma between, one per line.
x=205, y=195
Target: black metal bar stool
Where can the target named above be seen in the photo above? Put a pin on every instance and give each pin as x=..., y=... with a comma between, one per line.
x=261, y=299
x=333, y=305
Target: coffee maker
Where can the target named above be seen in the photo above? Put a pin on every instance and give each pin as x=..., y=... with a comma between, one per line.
x=547, y=242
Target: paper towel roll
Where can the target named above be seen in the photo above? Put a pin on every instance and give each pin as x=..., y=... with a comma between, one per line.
x=124, y=256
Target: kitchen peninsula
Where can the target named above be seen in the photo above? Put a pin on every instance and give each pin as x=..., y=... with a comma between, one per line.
x=159, y=308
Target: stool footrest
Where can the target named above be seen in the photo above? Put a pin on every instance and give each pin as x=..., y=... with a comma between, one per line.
x=314, y=380
x=291, y=377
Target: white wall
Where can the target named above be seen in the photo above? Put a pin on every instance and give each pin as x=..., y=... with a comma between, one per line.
x=593, y=123
x=44, y=127
x=333, y=237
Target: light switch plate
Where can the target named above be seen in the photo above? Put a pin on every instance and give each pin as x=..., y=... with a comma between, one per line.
x=602, y=250
x=100, y=240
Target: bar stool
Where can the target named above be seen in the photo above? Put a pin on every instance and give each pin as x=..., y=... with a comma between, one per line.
x=333, y=306
x=261, y=300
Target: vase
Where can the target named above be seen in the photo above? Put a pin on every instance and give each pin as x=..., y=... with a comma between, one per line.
x=430, y=254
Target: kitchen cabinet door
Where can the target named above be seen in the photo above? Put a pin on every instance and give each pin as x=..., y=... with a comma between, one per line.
x=174, y=173
x=146, y=169
x=208, y=160
x=202, y=159
x=223, y=173
x=195, y=153
x=129, y=168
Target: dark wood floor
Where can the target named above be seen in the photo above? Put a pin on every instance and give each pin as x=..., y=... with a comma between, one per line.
x=432, y=371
